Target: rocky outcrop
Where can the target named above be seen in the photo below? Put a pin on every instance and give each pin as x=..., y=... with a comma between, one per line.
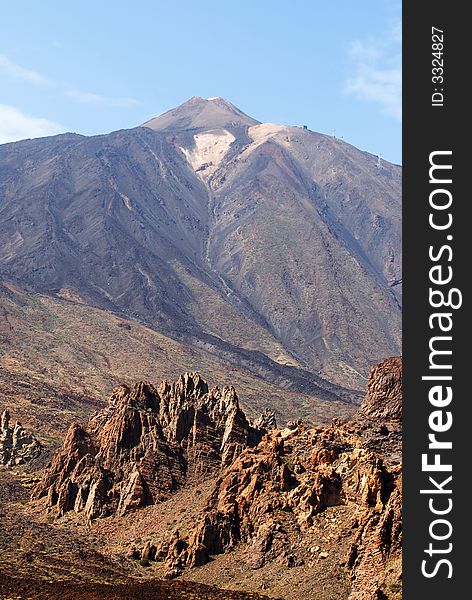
x=325, y=497
x=383, y=398
x=145, y=445
x=298, y=473
x=292, y=476
x=375, y=555
x=266, y=420
x=17, y=445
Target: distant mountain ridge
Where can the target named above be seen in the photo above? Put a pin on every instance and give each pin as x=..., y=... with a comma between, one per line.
x=260, y=243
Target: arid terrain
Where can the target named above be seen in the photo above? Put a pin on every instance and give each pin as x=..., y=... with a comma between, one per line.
x=264, y=245
x=189, y=314
x=172, y=488
x=59, y=361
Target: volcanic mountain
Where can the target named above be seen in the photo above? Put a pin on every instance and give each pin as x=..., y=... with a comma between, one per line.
x=270, y=248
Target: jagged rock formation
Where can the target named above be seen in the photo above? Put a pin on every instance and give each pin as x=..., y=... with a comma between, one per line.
x=17, y=445
x=146, y=444
x=266, y=420
x=271, y=489
x=375, y=556
x=299, y=473
x=295, y=474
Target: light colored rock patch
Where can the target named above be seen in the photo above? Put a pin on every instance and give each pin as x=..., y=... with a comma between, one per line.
x=261, y=132
x=124, y=197
x=147, y=277
x=265, y=131
x=8, y=252
x=17, y=445
x=209, y=150
x=126, y=200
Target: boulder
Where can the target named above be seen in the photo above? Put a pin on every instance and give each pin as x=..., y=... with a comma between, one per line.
x=17, y=445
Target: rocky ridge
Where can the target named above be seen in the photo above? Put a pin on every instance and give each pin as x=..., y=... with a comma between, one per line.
x=293, y=475
x=383, y=398
x=326, y=498
x=145, y=445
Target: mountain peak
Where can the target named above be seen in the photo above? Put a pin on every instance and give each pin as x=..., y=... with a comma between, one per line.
x=201, y=114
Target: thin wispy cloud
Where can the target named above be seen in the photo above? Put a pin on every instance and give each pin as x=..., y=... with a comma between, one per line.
x=20, y=73
x=98, y=100
x=16, y=125
x=377, y=72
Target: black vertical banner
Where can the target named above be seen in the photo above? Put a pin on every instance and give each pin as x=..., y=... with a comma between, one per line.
x=437, y=239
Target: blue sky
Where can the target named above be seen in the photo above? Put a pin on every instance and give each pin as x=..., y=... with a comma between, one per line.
x=94, y=67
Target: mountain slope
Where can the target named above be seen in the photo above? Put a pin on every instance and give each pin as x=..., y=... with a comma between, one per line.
x=307, y=229
x=60, y=359
x=220, y=232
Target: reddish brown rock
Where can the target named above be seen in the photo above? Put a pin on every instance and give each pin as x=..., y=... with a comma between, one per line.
x=375, y=556
x=328, y=497
x=383, y=398
x=146, y=444
x=284, y=473
x=292, y=476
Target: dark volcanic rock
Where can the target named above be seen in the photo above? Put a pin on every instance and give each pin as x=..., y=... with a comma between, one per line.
x=146, y=444
x=29, y=587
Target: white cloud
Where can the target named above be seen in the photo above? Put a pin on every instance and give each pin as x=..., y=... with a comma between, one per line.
x=17, y=72
x=382, y=86
x=364, y=52
x=98, y=100
x=377, y=72
x=20, y=73
x=16, y=125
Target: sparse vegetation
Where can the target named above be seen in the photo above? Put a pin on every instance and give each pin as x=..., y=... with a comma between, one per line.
x=144, y=562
